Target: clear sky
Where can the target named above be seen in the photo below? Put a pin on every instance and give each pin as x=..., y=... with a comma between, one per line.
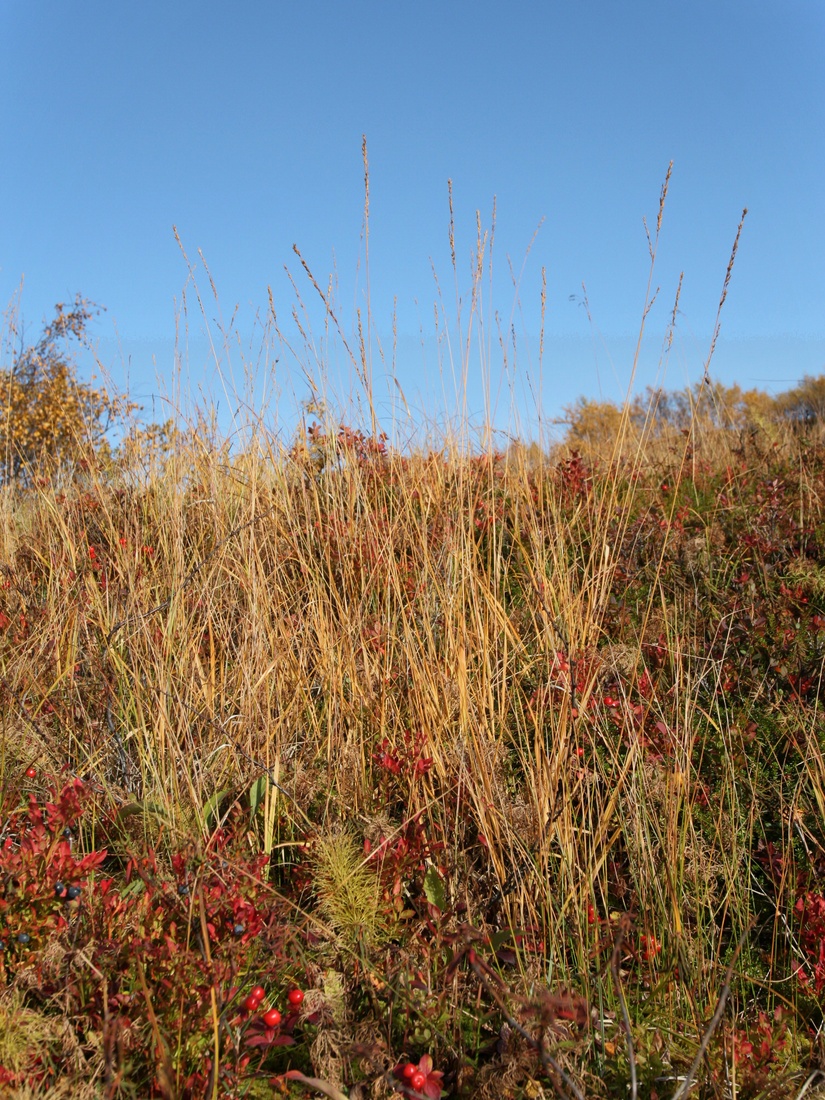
x=241, y=124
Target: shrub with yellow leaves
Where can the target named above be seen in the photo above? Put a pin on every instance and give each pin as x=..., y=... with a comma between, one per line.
x=49, y=418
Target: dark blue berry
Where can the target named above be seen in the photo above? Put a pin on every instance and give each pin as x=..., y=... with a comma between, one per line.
x=183, y=889
x=23, y=937
x=59, y=889
x=238, y=929
x=67, y=832
x=2, y=945
x=72, y=893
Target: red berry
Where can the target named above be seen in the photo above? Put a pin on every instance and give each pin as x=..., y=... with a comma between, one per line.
x=591, y=915
x=418, y=1080
x=31, y=773
x=650, y=947
x=272, y=1018
x=295, y=997
x=410, y=1069
x=256, y=995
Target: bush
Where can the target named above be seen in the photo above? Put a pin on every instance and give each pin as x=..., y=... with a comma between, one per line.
x=49, y=418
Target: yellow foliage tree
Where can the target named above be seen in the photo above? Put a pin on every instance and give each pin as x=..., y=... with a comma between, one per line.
x=48, y=417
x=594, y=423
x=591, y=423
x=715, y=405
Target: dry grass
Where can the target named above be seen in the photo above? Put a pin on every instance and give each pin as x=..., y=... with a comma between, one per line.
x=193, y=624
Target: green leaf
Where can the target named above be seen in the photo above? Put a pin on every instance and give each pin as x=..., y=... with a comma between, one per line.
x=256, y=795
x=139, y=809
x=210, y=810
x=133, y=889
x=434, y=889
x=498, y=939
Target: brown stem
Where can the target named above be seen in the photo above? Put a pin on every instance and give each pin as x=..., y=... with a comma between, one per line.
x=715, y=1021
x=624, y=927
x=547, y=1060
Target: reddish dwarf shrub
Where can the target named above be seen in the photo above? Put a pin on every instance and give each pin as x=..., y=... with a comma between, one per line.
x=810, y=911
x=178, y=946
x=39, y=872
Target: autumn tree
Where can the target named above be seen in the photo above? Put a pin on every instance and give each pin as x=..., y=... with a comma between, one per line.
x=804, y=405
x=48, y=417
x=710, y=403
x=591, y=423
x=657, y=411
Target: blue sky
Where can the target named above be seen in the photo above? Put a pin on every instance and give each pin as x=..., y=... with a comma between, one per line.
x=241, y=124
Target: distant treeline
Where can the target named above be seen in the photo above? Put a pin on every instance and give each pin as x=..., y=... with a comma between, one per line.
x=712, y=404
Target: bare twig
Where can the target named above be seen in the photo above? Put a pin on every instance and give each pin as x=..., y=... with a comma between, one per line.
x=547, y=1060
x=624, y=928
x=715, y=1021
x=813, y=1077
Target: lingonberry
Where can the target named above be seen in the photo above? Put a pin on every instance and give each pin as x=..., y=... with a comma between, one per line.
x=650, y=947
x=295, y=997
x=31, y=773
x=253, y=1000
x=418, y=1080
x=272, y=1018
x=409, y=1070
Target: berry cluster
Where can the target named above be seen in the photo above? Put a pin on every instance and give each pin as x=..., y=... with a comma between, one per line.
x=272, y=1017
